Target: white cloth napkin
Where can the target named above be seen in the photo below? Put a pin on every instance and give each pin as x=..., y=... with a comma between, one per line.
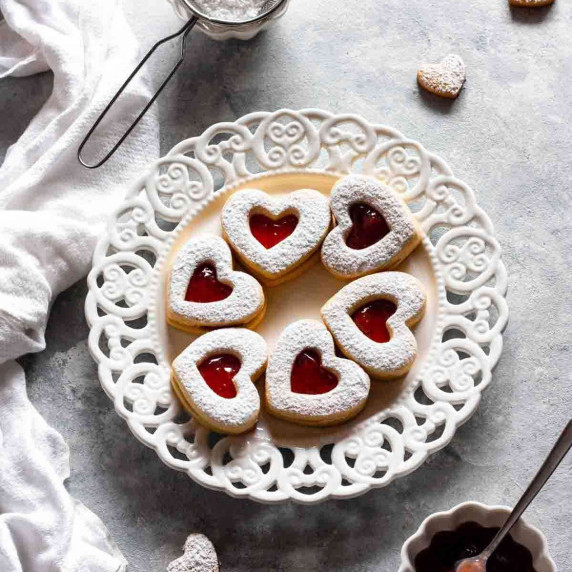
x=52, y=211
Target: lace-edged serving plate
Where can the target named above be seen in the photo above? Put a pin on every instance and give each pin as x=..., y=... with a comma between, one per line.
x=460, y=338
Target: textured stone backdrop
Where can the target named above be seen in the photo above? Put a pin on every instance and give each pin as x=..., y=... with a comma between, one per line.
x=508, y=136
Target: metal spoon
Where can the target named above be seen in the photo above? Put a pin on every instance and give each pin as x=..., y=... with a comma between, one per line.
x=479, y=563
x=266, y=10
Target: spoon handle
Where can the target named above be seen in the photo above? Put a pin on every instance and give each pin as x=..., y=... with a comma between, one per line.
x=558, y=452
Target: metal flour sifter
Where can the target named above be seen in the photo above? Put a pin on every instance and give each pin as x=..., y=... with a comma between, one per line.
x=215, y=27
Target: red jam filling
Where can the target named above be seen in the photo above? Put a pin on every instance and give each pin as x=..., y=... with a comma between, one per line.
x=470, y=539
x=309, y=377
x=369, y=226
x=372, y=318
x=219, y=371
x=269, y=232
x=204, y=286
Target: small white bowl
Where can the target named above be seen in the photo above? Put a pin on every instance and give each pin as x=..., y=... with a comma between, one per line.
x=220, y=32
x=488, y=516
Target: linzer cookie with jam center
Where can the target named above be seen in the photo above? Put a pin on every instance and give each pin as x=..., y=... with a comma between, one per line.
x=376, y=231
x=306, y=382
x=276, y=237
x=214, y=379
x=205, y=292
x=371, y=320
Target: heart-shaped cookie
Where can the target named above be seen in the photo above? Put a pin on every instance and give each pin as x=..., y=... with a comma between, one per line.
x=445, y=78
x=205, y=292
x=199, y=556
x=307, y=383
x=371, y=320
x=275, y=236
x=530, y=3
x=375, y=228
x=214, y=378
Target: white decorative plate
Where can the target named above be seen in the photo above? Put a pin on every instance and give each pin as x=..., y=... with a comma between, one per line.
x=460, y=338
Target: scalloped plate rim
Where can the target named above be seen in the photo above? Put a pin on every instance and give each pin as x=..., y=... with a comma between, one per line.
x=204, y=479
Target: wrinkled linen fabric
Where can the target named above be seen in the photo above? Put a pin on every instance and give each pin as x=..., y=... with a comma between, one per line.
x=52, y=211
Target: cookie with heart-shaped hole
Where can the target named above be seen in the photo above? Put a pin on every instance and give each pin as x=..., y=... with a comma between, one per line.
x=275, y=237
x=445, y=78
x=214, y=379
x=375, y=230
x=205, y=292
x=306, y=382
x=371, y=320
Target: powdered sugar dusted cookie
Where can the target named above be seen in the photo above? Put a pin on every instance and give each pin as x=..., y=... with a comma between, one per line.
x=205, y=292
x=200, y=556
x=214, y=378
x=275, y=236
x=307, y=383
x=375, y=228
x=531, y=3
x=371, y=318
x=445, y=78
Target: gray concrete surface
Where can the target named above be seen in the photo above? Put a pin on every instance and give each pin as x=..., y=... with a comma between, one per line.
x=508, y=135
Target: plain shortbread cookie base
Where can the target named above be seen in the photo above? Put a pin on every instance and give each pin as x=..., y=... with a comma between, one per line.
x=445, y=78
x=531, y=3
x=199, y=556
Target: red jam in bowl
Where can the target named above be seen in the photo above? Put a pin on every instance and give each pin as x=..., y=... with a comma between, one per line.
x=469, y=539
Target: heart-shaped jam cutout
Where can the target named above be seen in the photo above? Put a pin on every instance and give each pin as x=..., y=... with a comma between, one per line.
x=309, y=377
x=369, y=226
x=371, y=319
x=269, y=232
x=219, y=371
x=204, y=286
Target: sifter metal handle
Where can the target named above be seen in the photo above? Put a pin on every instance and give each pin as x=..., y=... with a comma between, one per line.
x=183, y=32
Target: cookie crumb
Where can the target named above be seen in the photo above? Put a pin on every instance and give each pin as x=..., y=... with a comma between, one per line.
x=200, y=556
